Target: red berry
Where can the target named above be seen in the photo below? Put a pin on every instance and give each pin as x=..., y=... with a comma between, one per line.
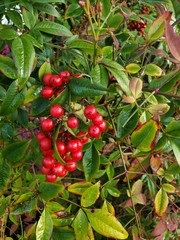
x=59, y=170
x=45, y=144
x=71, y=166
x=48, y=161
x=73, y=145
x=72, y=122
x=51, y=177
x=67, y=157
x=47, y=79
x=47, y=124
x=98, y=119
x=76, y=156
x=82, y=136
x=48, y=152
x=61, y=147
x=65, y=75
x=56, y=81
x=47, y=92
x=45, y=170
x=56, y=111
x=94, y=131
x=58, y=92
x=102, y=126
x=40, y=136
x=90, y=112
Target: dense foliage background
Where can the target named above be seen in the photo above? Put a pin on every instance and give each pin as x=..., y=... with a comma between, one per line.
x=123, y=58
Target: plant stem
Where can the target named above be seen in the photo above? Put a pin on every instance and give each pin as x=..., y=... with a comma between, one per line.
x=127, y=177
x=162, y=93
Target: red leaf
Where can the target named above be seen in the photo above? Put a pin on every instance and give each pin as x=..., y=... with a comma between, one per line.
x=173, y=41
x=159, y=229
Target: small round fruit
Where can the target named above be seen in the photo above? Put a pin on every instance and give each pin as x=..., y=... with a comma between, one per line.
x=48, y=152
x=98, y=119
x=72, y=145
x=102, y=126
x=47, y=79
x=94, y=131
x=71, y=166
x=51, y=177
x=48, y=161
x=59, y=170
x=56, y=81
x=47, y=124
x=45, y=170
x=66, y=76
x=72, y=122
x=76, y=156
x=82, y=136
x=61, y=147
x=77, y=75
x=90, y=112
x=45, y=144
x=56, y=111
x=40, y=136
x=47, y=92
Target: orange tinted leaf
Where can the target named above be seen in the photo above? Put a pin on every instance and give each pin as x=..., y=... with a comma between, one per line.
x=135, y=86
x=155, y=163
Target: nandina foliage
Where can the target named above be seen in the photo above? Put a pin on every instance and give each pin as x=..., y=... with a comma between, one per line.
x=89, y=119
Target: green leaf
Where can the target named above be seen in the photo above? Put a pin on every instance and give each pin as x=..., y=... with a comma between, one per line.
x=174, y=168
x=8, y=34
x=53, y=207
x=7, y=132
x=173, y=129
x=48, y=1
x=47, y=8
x=84, y=45
x=167, y=81
x=145, y=135
x=13, y=99
x=45, y=68
x=5, y=173
x=15, y=18
x=156, y=29
x=63, y=233
x=4, y=203
x=25, y=207
x=107, y=206
x=84, y=87
x=15, y=152
x=106, y=224
x=119, y=73
x=44, y=227
x=133, y=68
x=24, y=55
x=2, y=93
x=7, y=67
x=91, y=163
x=29, y=18
x=33, y=40
x=79, y=188
x=168, y=188
x=124, y=130
x=53, y=28
x=161, y=202
x=81, y=225
x=175, y=143
x=32, y=93
x=40, y=107
x=73, y=10
x=100, y=75
x=90, y=196
x=53, y=189
x=152, y=70
x=62, y=222
x=115, y=20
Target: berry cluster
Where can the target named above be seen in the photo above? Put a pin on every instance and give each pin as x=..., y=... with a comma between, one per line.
x=145, y=9
x=69, y=146
x=139, y=26
x=54, y=84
